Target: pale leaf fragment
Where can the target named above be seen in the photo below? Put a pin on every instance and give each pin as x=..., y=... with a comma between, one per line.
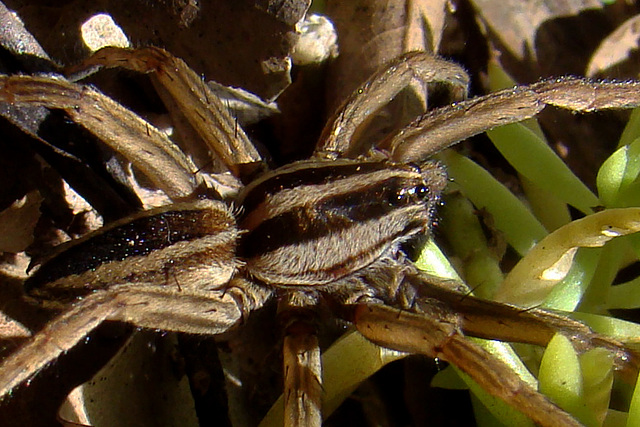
x=616, y=47
x=18, y=221
x=10, y=328
x=516, y=23
x=546, y=264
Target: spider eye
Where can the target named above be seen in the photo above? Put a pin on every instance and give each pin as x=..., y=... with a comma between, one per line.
x=422, y=191
x=417, y=192
x=414, y=167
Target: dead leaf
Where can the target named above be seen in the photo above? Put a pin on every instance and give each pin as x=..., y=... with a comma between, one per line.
x=234, y=43
x=516, y=23
x=373, y=32
x=616, y=47
x=17, y=223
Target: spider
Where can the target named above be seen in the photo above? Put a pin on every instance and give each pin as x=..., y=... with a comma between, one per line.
x=324, y=232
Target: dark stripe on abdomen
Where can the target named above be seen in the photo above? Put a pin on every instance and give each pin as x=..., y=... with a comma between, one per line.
x=138, y=237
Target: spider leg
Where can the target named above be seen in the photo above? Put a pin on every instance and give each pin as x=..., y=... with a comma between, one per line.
x=199, y=105
x=498, y=321
x=125, y=132
x=57, y=337
x=445, y=126
x=340, y=135
x=145, y=306
x=436, y=333
x=302, y=377
x=301, y=362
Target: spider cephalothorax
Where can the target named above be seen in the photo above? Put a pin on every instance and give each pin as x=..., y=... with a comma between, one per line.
x=320, y=205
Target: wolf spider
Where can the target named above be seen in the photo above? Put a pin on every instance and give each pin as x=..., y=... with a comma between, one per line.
x=327, y=232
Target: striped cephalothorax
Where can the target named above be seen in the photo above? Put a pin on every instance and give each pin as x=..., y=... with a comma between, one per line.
x=326, y=231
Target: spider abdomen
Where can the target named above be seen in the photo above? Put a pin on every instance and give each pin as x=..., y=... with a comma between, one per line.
x=187, y=245
x=317, y=222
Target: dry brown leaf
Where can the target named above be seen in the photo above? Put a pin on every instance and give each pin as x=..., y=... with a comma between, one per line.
x=138, y=385
x=373, y=32
x=10, y=328
x=616, y=47
x=234, y=43
x=17, y=223
x=516, y=23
